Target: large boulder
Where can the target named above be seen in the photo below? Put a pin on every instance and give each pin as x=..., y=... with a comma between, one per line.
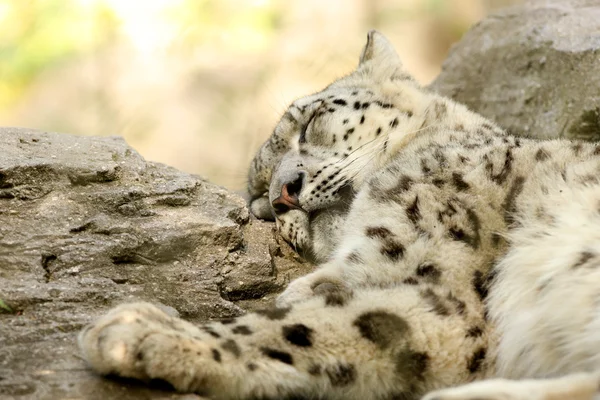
x=86, y=223
x=532, y=68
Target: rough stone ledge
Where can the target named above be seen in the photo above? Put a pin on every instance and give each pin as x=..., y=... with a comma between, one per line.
x=86, y=223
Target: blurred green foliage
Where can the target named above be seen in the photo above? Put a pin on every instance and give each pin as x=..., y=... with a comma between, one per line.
x=4, y=307
x=201, y=21
x=38, y=34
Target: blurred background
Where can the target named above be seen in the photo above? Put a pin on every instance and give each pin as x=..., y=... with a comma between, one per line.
x=199, y=84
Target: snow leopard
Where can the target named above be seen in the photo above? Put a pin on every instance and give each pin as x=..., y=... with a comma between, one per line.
x=456, y=261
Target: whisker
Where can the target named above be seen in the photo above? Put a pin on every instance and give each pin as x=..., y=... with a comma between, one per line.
x=355, y=162
x=374, y=140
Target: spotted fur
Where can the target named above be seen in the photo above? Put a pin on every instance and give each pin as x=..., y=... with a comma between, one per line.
x=453, y=255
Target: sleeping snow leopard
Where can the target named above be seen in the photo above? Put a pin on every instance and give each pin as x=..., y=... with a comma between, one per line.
x=457, y=261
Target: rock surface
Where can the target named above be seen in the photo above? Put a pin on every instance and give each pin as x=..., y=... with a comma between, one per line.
x=532, y=68
x=86, y=223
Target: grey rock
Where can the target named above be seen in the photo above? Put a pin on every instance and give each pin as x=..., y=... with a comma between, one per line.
x=86, y=223
x=532, y=68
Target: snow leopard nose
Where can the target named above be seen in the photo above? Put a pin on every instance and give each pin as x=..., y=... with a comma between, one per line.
x=288, y=199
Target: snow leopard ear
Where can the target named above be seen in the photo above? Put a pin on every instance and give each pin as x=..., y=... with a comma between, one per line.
x=380, y=58
x=379, y=50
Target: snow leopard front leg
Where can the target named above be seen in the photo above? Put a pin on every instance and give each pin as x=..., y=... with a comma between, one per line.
x=377, y=344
